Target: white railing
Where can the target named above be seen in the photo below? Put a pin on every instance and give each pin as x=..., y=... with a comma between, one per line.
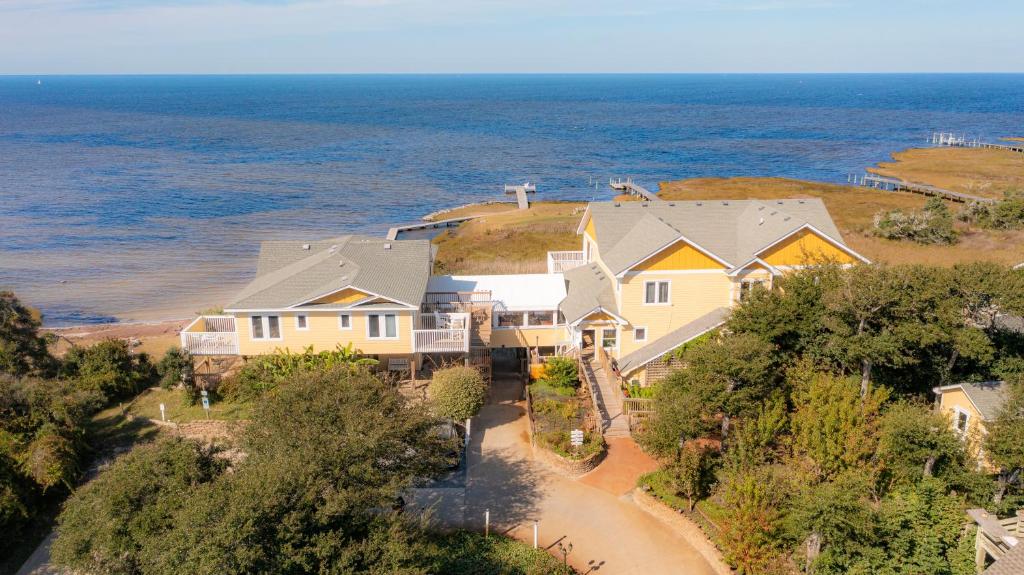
x=442, y=333
x=210, y=335
x=559, y=262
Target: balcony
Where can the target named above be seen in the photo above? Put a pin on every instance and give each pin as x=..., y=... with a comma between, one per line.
x=442, y=333
x=559, y=262
x=210, y=335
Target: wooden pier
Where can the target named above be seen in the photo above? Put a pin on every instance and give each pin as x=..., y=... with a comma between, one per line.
x=520, y=192
x=449, y=223
x=894, y=185
x=961, y=141
x=633, y=189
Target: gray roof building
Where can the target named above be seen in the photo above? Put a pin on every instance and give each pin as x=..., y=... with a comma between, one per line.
x=293, y=273
x=588, y=289
x=986, y=396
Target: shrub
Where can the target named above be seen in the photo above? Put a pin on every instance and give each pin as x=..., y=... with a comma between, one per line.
x=470, y=553
x=174, y=368
x=22, y=350
x=932, y=225
x=265, y=372
x=562, y=371
x=1006, y=214
x=457, y=393
x=109, y=367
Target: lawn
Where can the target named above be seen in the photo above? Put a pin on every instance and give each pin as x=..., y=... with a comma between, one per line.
x=147, y=405
x=853, y=210
x=508, y=242
x=976, y=171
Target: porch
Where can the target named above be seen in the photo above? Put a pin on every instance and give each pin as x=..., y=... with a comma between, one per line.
x=559, y=262
x=442, y=333
x=210, y=335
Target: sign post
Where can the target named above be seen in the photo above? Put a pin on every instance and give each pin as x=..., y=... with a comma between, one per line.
x=163, y=414
x=206, y=403
x=576, y=438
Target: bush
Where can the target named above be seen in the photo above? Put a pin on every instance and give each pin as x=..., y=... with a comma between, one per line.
x=457, y=393
x=932, y=225
x=470, y=553
x=174, y=368
x=22, y=350
x=1006, y=214
x=562, y=371
x=110, y=368
x=560, y=442
x=265, y=372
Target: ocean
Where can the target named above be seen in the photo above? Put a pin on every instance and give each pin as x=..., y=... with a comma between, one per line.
x=141, y=197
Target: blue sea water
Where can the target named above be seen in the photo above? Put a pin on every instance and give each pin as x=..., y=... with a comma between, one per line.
x=134, y=196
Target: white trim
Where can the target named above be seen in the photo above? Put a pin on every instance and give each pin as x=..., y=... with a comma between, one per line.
x=823, y=236
x=657, y=293
x=341, y=327
x=681, y=238
x=359, y=289
x=770, y=268
x=957, y=411
x=583, y=226
x=305, y=319
x=382, y=327
x=617, y=317
x=636, y=327
x=708, y=271
x=265, y=324
x=309, y=310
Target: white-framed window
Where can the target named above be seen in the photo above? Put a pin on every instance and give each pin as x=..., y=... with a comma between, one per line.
x=748, y=286
x=639, y=334
x=961, y=420
x=608, y=337
x=540, y=318
x=265, y=327
x=382, y=326
x=344, y=321
x=657, y=292
x=510, y=319
x=301, y=322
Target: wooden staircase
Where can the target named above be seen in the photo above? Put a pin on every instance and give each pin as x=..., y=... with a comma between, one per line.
x=480, y=325
x=609, y=399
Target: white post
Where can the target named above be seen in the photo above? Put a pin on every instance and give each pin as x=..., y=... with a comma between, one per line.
x=535, y=530
x=487, y=523
x=163, y=416
x=468, y=423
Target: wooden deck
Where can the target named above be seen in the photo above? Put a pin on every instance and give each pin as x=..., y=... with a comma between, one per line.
x=522, y=200
x=449, y=223
x=952, y=140
x=894, y=185
x=633, y=189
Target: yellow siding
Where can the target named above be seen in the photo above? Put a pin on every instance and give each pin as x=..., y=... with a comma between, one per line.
x=528, y=337
x=599, y=316
x=804, y=248
x=975, y=426
x=346, y=296
x=324, y=334
x=691, y=296
x=590, y=231
x=679, y=256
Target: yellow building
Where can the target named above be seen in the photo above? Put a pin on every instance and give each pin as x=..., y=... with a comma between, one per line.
x=649, y=277
x=968, y=406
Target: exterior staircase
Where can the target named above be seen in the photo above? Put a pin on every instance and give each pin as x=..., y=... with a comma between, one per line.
x=609, y=399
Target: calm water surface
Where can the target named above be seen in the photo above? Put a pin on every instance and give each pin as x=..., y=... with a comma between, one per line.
x=136, y=197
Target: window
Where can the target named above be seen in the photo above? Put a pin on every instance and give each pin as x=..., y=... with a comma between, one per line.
x=301, y=322
x=656, y=292
x=747, y=287
x=510, y=319
x=382, y=326
x=640, y=334
x=540, y=318
x=608, y=338
x=265, y=327
x=344, y=321
x=961, y=420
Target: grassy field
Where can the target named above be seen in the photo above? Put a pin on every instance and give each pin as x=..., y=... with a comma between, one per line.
x=853, y=209
x=975, y=171
x=507, y=242
x=147, y=404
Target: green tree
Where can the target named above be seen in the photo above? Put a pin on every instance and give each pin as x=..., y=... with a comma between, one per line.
x=750, y=529
x=832, y=519
x=683, y=410
x=1004, y=443
x=22, y=350
x=693, y=471
x=457, y=393
x=921, y=526
x=915, y=442
x=109, y=367
x=833, y=426
x=174, y=368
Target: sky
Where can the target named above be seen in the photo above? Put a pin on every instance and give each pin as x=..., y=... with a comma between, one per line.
x=501, y=36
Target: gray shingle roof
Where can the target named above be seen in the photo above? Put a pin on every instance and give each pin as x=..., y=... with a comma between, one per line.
x=987, y=396
x=287, y=274
x=1011, y=563
x=733, y=230
x=673, y=339
x=588, y=287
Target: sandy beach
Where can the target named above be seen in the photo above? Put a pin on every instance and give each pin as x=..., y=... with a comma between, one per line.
x=153, y=338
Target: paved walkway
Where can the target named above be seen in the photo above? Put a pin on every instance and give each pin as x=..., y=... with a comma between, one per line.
x=608, y=532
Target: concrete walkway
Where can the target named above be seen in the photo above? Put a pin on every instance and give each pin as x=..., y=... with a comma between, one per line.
x=608, y=532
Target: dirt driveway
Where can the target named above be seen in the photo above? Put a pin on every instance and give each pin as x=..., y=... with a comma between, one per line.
x=609, y=533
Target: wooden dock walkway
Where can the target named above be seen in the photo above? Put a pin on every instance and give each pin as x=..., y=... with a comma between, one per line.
x=520, y=191
x=954, y=141
x=633, y=189
x=449, y=223
x=894, y=185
